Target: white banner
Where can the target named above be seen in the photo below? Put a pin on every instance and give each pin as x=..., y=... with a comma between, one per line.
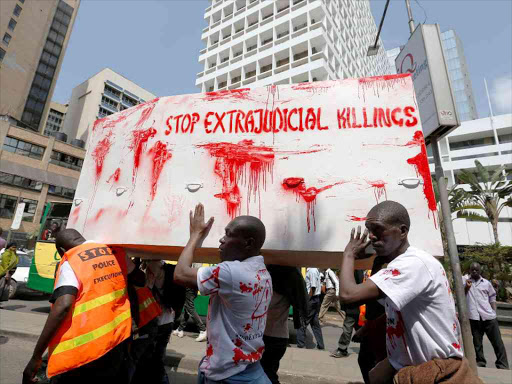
x=18, y=216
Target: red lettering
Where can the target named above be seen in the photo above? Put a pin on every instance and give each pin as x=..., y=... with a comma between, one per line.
x=186, y=117
x=231, y=113
x=167, y=122
x=249, y=122
x=285, y=120
x=195, y=119
x=318, y=124
x=354, y=124
x=408, y=113
x=310, y=119
x=238, y=124
x=293, y=111
x=207, y=122
x=365, y=119
x=399, y=122
x=375, y=111
x=260, y=126
x=177, y=118
x=219, y=122
x=384, y=118
x=266, y=125
x=301, y=121
x=274, y=118
x=342, y=117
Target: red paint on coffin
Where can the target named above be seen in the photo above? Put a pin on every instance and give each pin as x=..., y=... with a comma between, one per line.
x=73, y=218
x=297, y=185
x=237, y=94
x=379, y=189
x=115, y=176
x=99, y=154
x=420, y=163
x=98, y=215
x=139, y=141
x=232, y=163
x=356, y=218
x=160, y=155
x=146, y=113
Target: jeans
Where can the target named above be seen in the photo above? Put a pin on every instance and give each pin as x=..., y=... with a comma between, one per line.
x=275, y=348
x=492, y=330
x=313, y=310
x=348, y=328
x=151, y=368
x=189, y=310
x=253, y=374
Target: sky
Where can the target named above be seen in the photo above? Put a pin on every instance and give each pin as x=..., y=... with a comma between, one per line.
x=156, y=43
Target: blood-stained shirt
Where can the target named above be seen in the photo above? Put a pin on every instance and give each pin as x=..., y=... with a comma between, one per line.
x=421, y=319
x=240, y=294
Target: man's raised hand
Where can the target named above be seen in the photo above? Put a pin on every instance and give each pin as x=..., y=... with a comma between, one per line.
x=198, y=228
x=357, y=244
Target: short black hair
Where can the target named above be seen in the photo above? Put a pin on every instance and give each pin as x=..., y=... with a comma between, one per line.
x=11, y=244
x=68, y=239
x=392, y=213
x=251, y=227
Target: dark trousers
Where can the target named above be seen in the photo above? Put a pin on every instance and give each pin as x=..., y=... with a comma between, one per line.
x=313, y=311
x=348, y=328
x=275, y=348
x=366, y=359
x=142, y=345
x=110, y=367
x=189, y=310
x=151, y=368
x=492, y=330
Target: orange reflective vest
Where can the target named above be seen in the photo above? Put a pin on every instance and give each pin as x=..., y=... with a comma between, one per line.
x=148, y=307
x=100, y=318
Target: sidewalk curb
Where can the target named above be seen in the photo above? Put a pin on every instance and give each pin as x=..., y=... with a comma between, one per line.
x=21, y=335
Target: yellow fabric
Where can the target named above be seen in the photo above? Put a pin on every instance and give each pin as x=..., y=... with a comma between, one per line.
x=91, y=304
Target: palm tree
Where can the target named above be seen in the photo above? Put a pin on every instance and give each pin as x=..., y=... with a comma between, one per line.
x=490, y=191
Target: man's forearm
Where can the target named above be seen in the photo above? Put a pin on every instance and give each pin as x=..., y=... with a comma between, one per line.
x=493, y=306
x=184, y=270
x=347, y=280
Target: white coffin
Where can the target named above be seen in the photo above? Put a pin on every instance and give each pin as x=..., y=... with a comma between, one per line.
x=328, y=152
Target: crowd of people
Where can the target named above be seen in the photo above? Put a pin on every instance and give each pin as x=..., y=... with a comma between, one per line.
x=112, y=316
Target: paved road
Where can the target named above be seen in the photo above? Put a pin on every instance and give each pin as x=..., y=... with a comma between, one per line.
x=34, y=302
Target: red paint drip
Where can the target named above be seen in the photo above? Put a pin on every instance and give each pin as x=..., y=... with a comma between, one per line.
x=297, y=185
x=214, y=276
x=252, y=357
x=379, y=189
x=99, y=154
x=398, y=331
x=139, y=141
x=245, y=288
x=73, y=218
x=355, y=218
x=236, y=94
x=98, y=215
x=115, y=176
x=146, y=113
x=160, y=154
x=420, y=163
x=240, y=162
x=456, y=346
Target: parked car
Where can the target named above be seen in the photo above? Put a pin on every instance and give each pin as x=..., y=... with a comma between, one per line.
x=20, y=277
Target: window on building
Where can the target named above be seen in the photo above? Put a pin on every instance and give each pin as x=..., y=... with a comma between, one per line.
x=104, y=112
x=7, y=206
x=67, y=161
x=2, y=54
x=19, y=181
x=17, y=10
x=30, y=209
x=111, y=91
x=23, y=148
x=7, y=38
x=108, y=102
x=61, y=191
x=12, y=24
x=505, y=138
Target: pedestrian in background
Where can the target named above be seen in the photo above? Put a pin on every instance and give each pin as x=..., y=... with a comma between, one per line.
x=189, y=311
x=289, y=289
x=481, y=302
x=9, y=261
x=331, y=298
x=3, y=242
x=314, y=289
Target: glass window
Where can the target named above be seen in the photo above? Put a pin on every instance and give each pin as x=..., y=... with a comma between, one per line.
x=12, y=24
x=2, y=54
x=30, y=209
x=61, y=191
x=7, y=38
x=19, y=181
x=23, y=148
x=7, y=206
x=65, y=8
x=17, y=10
x=67, y=161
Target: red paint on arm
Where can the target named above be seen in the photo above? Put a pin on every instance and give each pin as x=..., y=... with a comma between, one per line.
x=160, y=155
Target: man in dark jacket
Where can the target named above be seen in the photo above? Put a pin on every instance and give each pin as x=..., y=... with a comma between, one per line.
x=351, y=319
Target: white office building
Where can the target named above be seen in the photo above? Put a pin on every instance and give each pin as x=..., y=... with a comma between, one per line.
x=253, y=43
x=103, y=94
x=489, y=141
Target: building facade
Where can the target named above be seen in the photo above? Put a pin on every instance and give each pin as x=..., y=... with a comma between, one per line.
x=252, y=43
x=489, y=141
x=103, y=94
x=35, y=35
x=34, y=169
x=54, y=120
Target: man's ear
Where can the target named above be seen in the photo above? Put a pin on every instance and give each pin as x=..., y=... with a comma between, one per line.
x=404, y=231
x=249, y=243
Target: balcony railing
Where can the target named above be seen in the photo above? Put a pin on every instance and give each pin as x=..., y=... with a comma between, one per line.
x=266, y=68
x=267, y=40
x=269, y=15
x=252, y=47
x=236, y=79
x=250, y=74
x=282, y=9
x=300, y=55
x=223, y=84
x=283, y=62
x=299, y=27
x=282, y=34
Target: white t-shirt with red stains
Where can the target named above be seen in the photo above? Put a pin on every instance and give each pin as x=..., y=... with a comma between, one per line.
x=240, y=294
x=421, y=319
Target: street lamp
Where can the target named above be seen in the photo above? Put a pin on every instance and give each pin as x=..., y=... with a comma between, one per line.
x=373, y=49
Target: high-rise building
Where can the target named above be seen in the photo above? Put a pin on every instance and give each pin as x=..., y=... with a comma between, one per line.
x=35, y=35
x=459, y=76
x=458, y=73
x=103, y=94
x=251, y=43
x=55, y=119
